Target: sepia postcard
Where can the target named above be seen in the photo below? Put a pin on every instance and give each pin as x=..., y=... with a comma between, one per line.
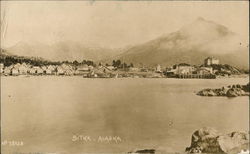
x=124, y=77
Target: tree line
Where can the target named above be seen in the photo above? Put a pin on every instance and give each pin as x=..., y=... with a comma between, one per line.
x=119, y=64
x=8, y=60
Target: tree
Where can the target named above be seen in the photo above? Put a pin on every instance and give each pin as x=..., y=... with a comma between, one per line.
x=114, y=63
x=118, y=63
x=75, y=63
x=125, y=65
x=131, y=65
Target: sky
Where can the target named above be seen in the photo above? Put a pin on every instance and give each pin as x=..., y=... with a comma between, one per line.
x=113, y=24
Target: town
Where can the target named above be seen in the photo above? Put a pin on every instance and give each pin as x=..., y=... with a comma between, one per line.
x=210, y=69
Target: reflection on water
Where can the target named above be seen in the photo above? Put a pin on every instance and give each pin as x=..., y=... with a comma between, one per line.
x=46, y=112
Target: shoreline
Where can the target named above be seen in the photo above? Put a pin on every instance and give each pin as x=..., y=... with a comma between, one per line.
x=131, y=77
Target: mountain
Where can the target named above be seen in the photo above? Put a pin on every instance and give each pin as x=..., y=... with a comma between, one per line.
x=191, y=44
x=61, y=51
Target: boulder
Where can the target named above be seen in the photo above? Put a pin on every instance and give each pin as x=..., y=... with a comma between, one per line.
x=223, y=92
x=229, y=91
x=207, y=140
x=207, y=92
x=232, y=141
x=204, y=141
x=234, y=92
x=246, y=88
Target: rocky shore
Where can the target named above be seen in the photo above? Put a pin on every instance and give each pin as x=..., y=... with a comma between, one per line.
x=229, y=91
x=207, y=140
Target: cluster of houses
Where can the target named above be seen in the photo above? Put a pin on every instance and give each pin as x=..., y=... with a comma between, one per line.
x=27, y=69
x=184, y=70
x=66, y=69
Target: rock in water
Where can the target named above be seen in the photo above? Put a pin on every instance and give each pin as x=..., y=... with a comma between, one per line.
x=231, y=141
x=204, y=140
x=232, y=93
x=246, y=88
x=207, y=140
x=207, y=92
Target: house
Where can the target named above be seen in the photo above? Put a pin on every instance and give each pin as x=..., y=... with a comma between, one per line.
x=134, y=69
x=82, y=69
x=36, y=70
x=68, y=69
x=17, y=65
x=111, y=67
x=32, y=70
x=204, y=70
x=101, y=71
x=170, y=72
x=210, y=61
x=65, y=66
x=51, y=69
x=48, y=71
x=14, y=71
x=1, y=68
x=183, y=68
x=39, y=70
x=69, y=72
x=7, y=70
x=60, y=70
x=91, y=67
x=44, y=68
x=23, y=68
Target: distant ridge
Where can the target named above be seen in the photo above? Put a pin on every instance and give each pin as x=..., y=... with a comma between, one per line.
x=191, y=44
x=61, y=51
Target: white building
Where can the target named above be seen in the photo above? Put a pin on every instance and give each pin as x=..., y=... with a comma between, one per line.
x=158, y=68
x=36, y=70
x=23, y=68
x=183, y=69
x=14, y=71
x=60, y=70
x=210, y=61
x=205, y=70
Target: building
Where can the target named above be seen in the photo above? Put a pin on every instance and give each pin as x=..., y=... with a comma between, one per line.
x=36, y=70
x=14, y=71
x=184, y=69
x=60, y=70
x=82, y=69
x=158, y=69
x=23, y=68
x=111, y=67
x=48, y=71
x=44, y=68
x=1, y=68
x=134, y=69
x=51, y=69
x=210, y=61
x=101, y=71
x=7, y=70
x=204, y=70
x=17, y=65
x=180, y=69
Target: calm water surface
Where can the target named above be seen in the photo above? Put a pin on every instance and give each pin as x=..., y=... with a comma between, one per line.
x=45, y=113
